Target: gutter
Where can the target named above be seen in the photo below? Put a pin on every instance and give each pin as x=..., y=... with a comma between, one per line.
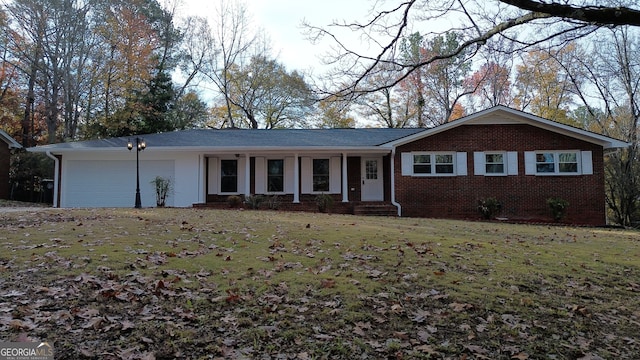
x=56, y=175
x=393, y=182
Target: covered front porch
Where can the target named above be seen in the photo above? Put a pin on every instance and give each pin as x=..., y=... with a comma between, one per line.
x=357, y=182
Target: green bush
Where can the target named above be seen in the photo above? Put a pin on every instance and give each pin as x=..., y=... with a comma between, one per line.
x=558, y=207
x=324, y=202
x=273, y=202
x=254, y=201
x=489, y=207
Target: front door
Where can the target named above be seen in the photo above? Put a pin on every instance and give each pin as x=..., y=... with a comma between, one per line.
x=372, y=179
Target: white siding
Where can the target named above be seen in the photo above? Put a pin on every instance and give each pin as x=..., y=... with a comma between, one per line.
x=112, y=183
x=261, y=175
x=289, y=164
x=335, y=178
x=307, y=175
x=213, y=183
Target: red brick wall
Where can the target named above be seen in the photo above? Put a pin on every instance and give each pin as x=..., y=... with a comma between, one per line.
x=523, y=196
x=5, y=155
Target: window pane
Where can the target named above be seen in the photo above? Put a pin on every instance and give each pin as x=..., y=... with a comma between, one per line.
x=545, y=163
x=371, y=169
x=444, y=169
x=444, y=159
x=494, y=163
x=228, y=176
x=567, y=157
x=568, y=162
x=568, y=168
x=495, y=169
x=422, y=169
x=320, y=174
x=275, y=176
x=494, y=159
x=421, y=159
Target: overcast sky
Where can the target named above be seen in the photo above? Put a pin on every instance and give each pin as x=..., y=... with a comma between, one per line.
x=281, y=19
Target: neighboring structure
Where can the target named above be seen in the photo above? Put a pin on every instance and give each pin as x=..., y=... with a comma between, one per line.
x=6, y=144
x=518, y=158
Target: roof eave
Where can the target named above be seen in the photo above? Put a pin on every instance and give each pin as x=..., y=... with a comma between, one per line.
x=225, y=149
x=519, y=117
x=13, y=144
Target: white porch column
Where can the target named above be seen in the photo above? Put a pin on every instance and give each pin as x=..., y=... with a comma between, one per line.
x=247, y=175
x=345, y=184
x=296, y=179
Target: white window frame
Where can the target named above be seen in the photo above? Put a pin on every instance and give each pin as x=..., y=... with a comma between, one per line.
x=584, y=164
x=459, y=163
x=509, y=162
x=284, y=175
x=220, y=175
x=504, y=163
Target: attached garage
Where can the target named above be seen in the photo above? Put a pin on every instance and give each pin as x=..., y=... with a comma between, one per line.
x=85, y=183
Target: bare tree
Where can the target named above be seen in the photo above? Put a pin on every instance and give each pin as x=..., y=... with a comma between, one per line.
x=610, y=97
x=233, y=39
x=479, y=21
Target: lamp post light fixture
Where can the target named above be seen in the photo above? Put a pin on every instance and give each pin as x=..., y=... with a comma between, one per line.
x=140, y=145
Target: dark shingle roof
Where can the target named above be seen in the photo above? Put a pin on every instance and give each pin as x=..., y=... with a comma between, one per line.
x=242, y=138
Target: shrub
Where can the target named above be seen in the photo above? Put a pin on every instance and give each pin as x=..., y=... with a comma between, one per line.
x=163, y=187
x=234, y=201
x=558, y=207
x=324, y=202
x=273, y=202
x=489, y=207
x=254, y=201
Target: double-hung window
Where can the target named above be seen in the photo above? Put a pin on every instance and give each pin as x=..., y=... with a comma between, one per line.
x=275, y=175
x=321, y=175
x=228, y=176
x=558, y=162
x=494, y=164
x=423, y=163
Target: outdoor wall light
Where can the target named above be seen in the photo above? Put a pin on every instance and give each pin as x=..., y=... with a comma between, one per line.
x=140, y=145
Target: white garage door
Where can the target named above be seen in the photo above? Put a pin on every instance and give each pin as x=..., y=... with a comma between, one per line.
x=110, y=183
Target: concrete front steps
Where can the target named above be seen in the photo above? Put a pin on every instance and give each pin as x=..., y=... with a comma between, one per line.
x=375, y=209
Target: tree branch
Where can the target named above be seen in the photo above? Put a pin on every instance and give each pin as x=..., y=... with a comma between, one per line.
x=600, y=15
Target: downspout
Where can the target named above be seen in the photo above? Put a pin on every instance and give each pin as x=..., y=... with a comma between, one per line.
x=393, y=182
x=56, y=175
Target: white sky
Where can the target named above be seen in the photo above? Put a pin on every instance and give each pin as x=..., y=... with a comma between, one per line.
x=281, y=20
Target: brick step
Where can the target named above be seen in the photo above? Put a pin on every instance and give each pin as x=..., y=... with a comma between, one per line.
x=375, y=210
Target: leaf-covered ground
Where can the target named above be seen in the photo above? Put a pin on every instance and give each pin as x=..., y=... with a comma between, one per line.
x=203, y=284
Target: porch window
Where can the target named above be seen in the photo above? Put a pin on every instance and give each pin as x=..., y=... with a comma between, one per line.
x=320, y=175
x=275, y=175
x=228, y=176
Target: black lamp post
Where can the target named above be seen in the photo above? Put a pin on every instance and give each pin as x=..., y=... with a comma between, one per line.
x=140, y=145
